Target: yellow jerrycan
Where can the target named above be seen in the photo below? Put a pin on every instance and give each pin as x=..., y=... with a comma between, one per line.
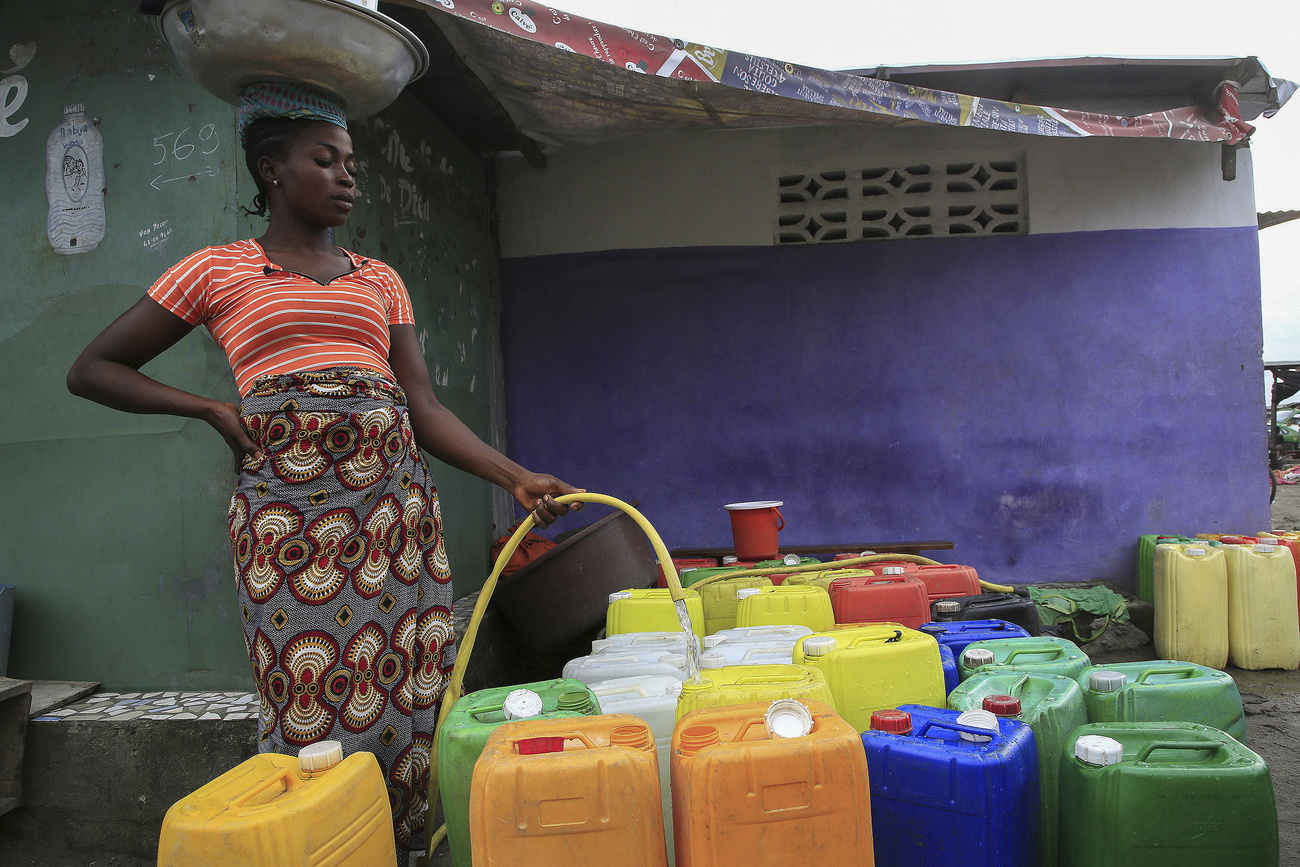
x=1263, y=628
x=280, y=811
x=1191, y=602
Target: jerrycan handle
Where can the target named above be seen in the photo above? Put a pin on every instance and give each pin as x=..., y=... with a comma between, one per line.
x=1145, y=753
x=1184, y=670
x=778, y=678
x=956, y=727
x=1021, y=651
x=583, y=737
x=268, y=791
x=885, y=638
x=1017, y=684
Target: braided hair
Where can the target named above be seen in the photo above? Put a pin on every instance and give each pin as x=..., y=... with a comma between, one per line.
x=268, y=137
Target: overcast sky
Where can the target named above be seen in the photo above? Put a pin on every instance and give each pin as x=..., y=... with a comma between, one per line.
x=853, y=34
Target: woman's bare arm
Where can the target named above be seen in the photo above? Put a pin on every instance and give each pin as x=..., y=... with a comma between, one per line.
x=108, y=372
x=439, y=432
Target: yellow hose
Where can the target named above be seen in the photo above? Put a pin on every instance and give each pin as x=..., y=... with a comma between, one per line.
x=454, y=686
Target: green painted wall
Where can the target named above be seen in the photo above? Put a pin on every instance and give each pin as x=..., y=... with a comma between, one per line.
x=112, y=526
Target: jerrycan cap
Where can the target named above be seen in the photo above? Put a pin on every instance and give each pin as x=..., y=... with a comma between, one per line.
x=974, y=657
x=944, y=607
x=894, y=570
x=1102, y=680
x=521, y=704
x=978, y=719
x=896, y=722
x=728, y=559
x=1194, y=552
x=676, y=660
x=819, y=645
x=933, y=628
x=788, y=718
x=1098, y=750
x=712, y=660
x=746, y=592
x=1002, y=705
x=622, y=594
x=1264, y=547
x=320, y=756
x=711, y=641
x=790, y=560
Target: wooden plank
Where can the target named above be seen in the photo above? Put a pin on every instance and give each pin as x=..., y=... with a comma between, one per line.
x=847, y=547
x=48, y=695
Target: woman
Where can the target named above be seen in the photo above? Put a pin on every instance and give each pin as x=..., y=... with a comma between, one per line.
x=344, y=588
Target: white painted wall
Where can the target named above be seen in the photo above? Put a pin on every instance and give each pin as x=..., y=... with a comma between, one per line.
x=709, y=188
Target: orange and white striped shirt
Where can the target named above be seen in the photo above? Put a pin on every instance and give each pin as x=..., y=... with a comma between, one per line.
x=270, y=321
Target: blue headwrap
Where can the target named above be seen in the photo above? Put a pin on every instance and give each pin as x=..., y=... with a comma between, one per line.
x=286, y=100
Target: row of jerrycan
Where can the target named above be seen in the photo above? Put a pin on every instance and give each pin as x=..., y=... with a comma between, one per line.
x=897, y=593
x=923, y=785
x=744, y=790
x=1226, y=604
x=1056, y=701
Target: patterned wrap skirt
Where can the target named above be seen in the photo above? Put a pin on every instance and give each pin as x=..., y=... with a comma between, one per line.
x=344, y=588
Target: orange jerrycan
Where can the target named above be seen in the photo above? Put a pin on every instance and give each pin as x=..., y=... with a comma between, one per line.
x=282, y=811
x=578, y=792
x=749, y=792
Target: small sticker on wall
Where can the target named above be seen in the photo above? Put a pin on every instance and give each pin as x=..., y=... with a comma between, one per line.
x=74, y=183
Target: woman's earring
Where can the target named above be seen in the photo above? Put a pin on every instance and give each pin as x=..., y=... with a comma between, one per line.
x=276, y=182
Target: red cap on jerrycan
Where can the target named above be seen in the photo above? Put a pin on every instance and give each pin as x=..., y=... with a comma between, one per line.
x=1002, y=705
x=897, y=722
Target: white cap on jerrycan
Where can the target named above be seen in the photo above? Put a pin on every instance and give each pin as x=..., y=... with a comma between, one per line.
x=622, y=594
x=320, y=756
x=819, y=645
x=1107, y=681
x=712, y=660
x=974, y=657
x=747, y=591
x=788, y=718
x=1098, y=750
x=521, y=704
x=676, y=660
x=978, y=719
x=892, y=570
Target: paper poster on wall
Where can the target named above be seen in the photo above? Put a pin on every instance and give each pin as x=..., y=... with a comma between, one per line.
x=74, y=183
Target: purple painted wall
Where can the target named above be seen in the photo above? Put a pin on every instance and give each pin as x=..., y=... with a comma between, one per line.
x=1039, y=400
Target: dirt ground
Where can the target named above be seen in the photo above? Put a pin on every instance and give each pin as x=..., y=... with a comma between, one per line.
x=1271, y=700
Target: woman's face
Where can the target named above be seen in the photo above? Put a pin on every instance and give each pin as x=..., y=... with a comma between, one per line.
x=317, y=179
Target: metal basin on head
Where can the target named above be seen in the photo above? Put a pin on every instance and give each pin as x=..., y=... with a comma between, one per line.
x=362, y=57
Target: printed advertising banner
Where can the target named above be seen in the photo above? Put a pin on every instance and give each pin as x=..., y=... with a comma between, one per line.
x=556, y=99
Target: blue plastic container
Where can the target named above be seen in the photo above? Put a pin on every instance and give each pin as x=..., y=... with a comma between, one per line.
x=939, y=799
x=951, y=673
x=959, y=633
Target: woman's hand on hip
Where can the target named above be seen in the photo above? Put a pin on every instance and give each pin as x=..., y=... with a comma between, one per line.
x=536, y=492
x=224, y=417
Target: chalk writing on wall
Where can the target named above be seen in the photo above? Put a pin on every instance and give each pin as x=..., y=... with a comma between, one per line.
x=173, y=149
x=13, y=88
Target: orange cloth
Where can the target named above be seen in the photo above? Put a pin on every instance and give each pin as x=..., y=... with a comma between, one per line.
x=270, y=321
